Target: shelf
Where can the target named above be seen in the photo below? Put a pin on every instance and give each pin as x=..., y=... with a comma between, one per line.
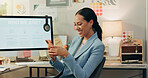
x=130, y=53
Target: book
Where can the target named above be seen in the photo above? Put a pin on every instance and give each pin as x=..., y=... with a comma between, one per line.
x=113, y=58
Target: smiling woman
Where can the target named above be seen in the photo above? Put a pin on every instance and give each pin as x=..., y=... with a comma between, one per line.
x=86, y=50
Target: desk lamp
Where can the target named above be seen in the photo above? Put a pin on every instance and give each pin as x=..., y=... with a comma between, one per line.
x=113, y=30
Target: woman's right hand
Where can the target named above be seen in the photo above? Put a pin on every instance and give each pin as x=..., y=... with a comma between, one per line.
x=53, y=58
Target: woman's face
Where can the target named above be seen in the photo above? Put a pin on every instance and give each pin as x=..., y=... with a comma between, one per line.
x=83, y=27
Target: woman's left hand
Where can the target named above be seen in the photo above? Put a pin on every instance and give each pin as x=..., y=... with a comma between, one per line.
x=58, y=51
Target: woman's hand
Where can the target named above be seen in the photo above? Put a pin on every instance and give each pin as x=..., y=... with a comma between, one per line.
x=53, y=58
x=58, y=51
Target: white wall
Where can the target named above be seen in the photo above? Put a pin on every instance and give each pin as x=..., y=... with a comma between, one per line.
x=147, y=31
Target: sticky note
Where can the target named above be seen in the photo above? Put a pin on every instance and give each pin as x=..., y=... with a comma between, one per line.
x=100, y=3
x=27, y=53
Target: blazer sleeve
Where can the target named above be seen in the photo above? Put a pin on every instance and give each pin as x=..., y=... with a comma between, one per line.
x=93, y=61
x=58, y=65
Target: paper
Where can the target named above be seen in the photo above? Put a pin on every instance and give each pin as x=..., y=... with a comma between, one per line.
x=126, y=36
x=42, y=53
x=20, y=54
x=27, y=53
x=4, y=68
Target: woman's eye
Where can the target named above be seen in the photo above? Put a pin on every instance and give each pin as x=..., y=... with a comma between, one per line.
x=74, y=24
x=79, y=24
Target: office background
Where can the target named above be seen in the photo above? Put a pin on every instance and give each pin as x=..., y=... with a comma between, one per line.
x=131, y=12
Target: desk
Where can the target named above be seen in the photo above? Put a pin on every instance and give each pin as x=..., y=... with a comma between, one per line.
x=38, y=67
x=119, y=66
x=113, y=66
x=12, y=67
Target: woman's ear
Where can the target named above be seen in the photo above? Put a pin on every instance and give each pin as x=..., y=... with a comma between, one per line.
x=91, y=22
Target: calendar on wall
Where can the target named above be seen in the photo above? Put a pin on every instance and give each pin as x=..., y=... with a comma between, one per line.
x=127, y=36
x=97, y=7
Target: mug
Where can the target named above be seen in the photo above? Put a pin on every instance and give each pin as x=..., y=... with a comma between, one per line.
x=1, y=61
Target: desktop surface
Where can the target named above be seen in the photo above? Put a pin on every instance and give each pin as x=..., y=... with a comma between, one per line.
x=33, y=63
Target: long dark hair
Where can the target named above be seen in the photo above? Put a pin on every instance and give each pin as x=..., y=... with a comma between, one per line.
x=88, y=15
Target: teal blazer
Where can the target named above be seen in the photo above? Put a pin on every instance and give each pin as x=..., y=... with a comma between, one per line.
x=84, y=62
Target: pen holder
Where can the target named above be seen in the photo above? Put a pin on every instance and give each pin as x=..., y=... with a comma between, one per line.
x=1, y=62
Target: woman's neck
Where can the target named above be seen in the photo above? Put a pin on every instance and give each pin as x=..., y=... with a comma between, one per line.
x=89, y=35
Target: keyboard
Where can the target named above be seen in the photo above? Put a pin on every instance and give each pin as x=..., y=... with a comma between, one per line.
x=32, y=63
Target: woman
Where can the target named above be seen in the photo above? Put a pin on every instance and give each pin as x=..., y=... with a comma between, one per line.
x=86, y=50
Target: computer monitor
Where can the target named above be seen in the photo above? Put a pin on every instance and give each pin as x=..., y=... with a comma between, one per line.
x=25, y=32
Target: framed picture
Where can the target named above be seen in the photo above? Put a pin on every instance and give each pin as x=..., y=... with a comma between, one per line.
x=3, y=7
x=57, y=2
x=78, y=1
x=21, y=7
x=60, y=39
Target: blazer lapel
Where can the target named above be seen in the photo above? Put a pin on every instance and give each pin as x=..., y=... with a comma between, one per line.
x=86, y=45
x=76, y=46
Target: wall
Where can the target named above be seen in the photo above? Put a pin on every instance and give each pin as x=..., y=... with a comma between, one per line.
x=147, y=31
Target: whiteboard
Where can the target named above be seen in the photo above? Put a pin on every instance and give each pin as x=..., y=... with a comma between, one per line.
x=24, y=32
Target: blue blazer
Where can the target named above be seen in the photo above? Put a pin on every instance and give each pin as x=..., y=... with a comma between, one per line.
x=84, y=62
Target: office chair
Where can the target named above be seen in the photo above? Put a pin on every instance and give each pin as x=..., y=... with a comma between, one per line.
x=97, y=71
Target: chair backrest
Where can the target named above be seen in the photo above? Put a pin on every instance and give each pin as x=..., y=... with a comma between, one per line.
x=98, y=70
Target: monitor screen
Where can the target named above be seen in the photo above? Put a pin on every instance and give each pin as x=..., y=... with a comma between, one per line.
x=25, y=32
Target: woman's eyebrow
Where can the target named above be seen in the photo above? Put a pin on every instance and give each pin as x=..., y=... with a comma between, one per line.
x=77, y=22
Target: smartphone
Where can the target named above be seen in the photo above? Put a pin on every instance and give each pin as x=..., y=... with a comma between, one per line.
x=46, y=41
